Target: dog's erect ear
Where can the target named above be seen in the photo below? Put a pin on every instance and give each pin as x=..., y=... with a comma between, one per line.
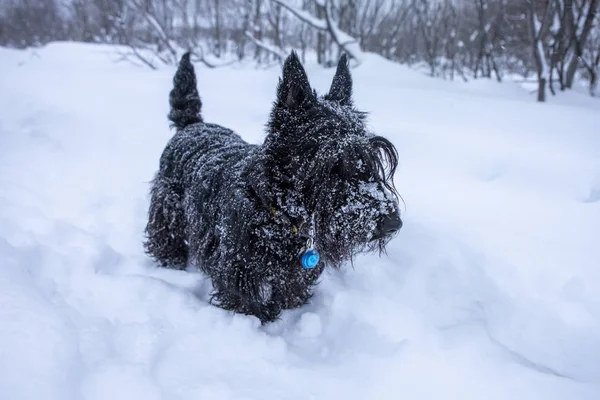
x=294, y=89
x=341, y=87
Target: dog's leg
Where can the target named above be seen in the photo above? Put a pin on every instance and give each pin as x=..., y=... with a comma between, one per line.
x=245, y=291
x=261, y=286
x=166, y=223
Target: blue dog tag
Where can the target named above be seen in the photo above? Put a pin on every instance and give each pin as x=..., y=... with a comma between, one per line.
x=310, y=259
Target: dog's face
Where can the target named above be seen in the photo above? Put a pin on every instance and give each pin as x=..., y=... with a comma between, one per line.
x=328, y=166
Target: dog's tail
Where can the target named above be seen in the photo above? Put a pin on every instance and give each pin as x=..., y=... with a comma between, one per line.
x=184, y=98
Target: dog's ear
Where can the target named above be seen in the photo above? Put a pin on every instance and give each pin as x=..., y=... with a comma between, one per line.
x=341, y=87
x=294, y=90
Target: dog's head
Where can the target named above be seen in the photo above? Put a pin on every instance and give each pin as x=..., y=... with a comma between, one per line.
x=327, y=166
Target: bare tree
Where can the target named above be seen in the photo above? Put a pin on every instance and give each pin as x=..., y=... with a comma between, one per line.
x=585, y=13
x=489, y=20
x=31, y=23
x=573, y=24
x=429, y=17
x=538, y=26
x=590, y=57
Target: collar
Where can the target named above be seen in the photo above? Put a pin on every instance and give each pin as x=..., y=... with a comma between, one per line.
x=276, y=215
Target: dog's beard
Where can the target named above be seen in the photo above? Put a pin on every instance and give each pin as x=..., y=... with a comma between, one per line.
x=347, y=226
x=340, y=246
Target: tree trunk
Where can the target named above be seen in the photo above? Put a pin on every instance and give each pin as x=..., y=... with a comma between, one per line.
x=321, y=58
x=580, y=42
x=541, y=95
x=536, y=30
x=258, y=28
x=217, y=29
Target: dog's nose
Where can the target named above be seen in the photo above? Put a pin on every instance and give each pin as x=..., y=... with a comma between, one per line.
x=389, y=225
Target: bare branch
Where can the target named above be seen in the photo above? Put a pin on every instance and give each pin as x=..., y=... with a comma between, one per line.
x=346, y=42
x=278, y=53
x=303, y=15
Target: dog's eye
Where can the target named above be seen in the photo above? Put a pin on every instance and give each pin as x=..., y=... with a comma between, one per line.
x=336, y=170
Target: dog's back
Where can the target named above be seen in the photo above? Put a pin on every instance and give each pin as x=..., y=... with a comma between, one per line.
x=200, y=155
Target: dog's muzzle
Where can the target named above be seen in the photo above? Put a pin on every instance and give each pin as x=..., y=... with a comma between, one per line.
x=388, y=225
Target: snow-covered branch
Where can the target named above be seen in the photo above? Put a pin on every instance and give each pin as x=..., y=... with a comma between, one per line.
x=347, y=43
x=278, y=53
x=304, y=16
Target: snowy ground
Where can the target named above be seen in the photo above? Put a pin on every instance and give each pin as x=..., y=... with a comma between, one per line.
x=491, y=290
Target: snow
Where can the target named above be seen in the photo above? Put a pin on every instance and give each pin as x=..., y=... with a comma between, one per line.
x=473, y=36
x=491, y=290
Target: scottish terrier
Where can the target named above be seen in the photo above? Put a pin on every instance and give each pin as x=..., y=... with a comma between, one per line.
x=263, y=221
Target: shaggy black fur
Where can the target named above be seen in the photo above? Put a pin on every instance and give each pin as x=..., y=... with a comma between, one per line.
x=242, y=213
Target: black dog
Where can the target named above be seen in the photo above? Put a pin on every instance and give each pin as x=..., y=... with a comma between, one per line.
x=256, y=219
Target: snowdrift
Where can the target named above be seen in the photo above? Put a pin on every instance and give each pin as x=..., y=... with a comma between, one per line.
x=491, y=290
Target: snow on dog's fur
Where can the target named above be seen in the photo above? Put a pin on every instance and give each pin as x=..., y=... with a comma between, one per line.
x=244, y=213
